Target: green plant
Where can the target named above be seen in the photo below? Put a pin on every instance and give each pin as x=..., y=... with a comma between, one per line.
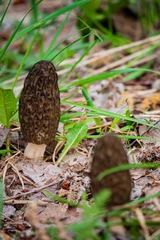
x=101, y=12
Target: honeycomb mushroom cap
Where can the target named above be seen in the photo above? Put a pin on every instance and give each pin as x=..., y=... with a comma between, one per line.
x=109, y=153
x=39, y=105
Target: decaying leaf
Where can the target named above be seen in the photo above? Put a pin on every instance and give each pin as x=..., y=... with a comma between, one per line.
x=3, y=134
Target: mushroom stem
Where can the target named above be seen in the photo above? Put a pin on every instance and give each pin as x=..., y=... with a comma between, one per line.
x=34, y=151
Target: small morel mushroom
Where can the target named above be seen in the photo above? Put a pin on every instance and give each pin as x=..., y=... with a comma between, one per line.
x=39, y=108
x=110, y=153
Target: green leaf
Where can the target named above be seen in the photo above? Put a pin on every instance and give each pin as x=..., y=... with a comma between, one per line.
x=7, y=106
x=74, y=137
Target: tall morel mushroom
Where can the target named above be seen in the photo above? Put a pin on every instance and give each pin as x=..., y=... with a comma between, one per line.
x=109, y=153
x=39, y=108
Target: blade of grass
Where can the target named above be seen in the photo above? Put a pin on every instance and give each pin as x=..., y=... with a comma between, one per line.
x=1, y=21
x=35, y=10
x=15, y=32
x=137, y=74
x=101, y=112
x=92, y=30
x=56, y=35
x=105, y=75
x=125, y=137
x=79, y=60
x=90, y=103
x=60, y=199
x=142, y=199
x=50, y=17
x=127, y=167
x=24, y=59
x=70, y=44
x=51, y=53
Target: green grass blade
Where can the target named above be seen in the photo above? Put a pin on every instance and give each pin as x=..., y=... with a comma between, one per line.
x=56, y=35
x=127, y=167
x=60, y=199
x=90, y=103
x=105, y=75
x=35, y=10
x=50, y=17
x=70, y=44
x=101, y=112
x=24, y=59
x=51, y=54
x=143, y=199
x=92, y=30
x=79, y=60
x=137, y=74
x=127, y=137
x=1, y=21
x=15, y=32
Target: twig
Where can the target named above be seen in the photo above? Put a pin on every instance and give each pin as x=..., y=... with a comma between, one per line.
x=142, y=222
x=32, y=191
x=145, y=133
x=96, y=56
x=119, y=62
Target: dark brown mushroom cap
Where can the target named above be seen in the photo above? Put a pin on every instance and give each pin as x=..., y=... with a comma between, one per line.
x=109, y=153
x=39, y=104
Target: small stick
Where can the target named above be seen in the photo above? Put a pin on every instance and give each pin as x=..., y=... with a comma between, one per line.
x=32, y=191
x=145, y=132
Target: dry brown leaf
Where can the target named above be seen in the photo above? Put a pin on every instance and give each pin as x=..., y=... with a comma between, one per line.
x=151, y=102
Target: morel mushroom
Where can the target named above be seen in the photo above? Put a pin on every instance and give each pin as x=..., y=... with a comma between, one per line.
x=109, y=153
x=39, y=108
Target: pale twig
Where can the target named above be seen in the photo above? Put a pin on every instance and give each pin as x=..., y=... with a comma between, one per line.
x=96, y=56
x=15, y=169
x=57, y=149
x=35, y=190
x=119, y=62
x=13, y=156
x=25, y=202
x=142, y=222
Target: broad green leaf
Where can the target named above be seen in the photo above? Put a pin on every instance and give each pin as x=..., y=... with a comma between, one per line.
x=7, y=106
x=74, y=137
